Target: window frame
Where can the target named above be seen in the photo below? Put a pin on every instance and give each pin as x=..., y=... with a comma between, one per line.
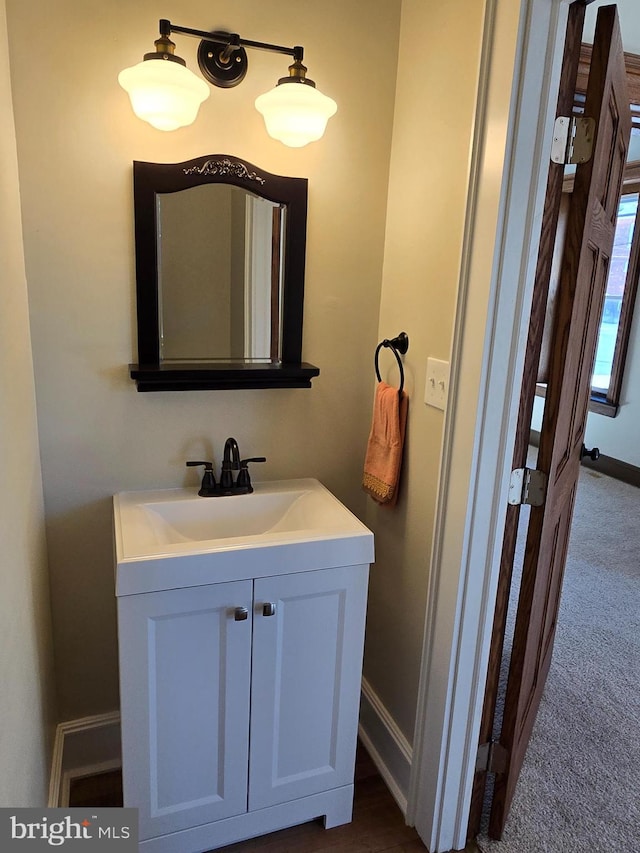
x=611, y=399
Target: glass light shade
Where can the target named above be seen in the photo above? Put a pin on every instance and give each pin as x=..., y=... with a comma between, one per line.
x=295, y=113
x=164, y=93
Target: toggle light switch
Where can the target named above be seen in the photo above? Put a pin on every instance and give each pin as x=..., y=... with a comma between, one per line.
x=437, y=384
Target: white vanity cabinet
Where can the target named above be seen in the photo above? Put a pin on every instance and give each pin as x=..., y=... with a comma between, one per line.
x=239, y=705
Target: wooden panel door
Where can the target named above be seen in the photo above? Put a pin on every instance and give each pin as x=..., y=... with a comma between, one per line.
x=546, y=265
x=185, y=669
x=589, y=242
x=305, y=695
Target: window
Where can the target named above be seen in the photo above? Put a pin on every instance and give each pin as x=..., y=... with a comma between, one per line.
x=610, y=320
x=617, y=311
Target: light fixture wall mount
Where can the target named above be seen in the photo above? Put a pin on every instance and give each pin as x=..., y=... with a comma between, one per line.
x=223, y=64
x=294, y=115
x=222, y=57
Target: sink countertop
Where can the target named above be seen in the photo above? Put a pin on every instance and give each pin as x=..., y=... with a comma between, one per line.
x=172, y=538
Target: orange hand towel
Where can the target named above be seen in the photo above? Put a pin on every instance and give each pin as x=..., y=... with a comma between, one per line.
x=384, y=450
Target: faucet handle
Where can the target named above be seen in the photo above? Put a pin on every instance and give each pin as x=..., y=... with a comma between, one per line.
x=208, y=485
x=244, y=480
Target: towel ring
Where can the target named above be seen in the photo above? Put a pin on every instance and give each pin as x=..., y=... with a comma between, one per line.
x=397, y=345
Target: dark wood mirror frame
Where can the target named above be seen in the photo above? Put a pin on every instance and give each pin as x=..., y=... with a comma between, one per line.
x=153, y=374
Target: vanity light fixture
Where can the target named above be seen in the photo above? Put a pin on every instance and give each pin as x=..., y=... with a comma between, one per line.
x=167, y=95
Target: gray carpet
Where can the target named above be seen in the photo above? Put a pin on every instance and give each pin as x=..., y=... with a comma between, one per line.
x=579, y=789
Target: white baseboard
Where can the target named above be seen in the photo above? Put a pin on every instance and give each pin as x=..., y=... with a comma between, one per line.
x=81, y=748
x=81, y=773
x=389, y=749
x=92, y=745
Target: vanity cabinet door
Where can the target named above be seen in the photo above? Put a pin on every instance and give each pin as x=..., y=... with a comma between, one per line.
x=307, y=664
x=185, y=669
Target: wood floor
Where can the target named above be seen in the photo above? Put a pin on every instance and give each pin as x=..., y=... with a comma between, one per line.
x=378, y=824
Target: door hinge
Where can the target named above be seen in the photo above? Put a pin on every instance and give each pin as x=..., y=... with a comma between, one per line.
x=572, y=139
x=527, y=486
x=492, y=757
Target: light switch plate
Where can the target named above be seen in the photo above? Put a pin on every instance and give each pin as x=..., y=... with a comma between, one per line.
x=437, y=385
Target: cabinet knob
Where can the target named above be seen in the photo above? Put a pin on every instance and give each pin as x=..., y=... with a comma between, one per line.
x=268, y=609
x=240, y=614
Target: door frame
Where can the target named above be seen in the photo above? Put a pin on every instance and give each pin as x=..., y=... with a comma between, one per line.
x=510, y=154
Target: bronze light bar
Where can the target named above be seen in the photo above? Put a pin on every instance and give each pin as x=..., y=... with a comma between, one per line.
x=222, y=57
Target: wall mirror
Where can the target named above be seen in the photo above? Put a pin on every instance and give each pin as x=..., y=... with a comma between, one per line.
x=220, y=258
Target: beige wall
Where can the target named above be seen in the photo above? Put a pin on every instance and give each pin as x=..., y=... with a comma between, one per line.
x=76, y=138
x=435, y=103
x=26, y=666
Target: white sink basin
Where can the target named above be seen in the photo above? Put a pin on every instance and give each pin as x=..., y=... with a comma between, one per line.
x=173, y=538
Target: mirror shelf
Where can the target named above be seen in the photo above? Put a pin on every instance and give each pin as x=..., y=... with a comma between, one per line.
x=222, y=376
x=220, y=261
